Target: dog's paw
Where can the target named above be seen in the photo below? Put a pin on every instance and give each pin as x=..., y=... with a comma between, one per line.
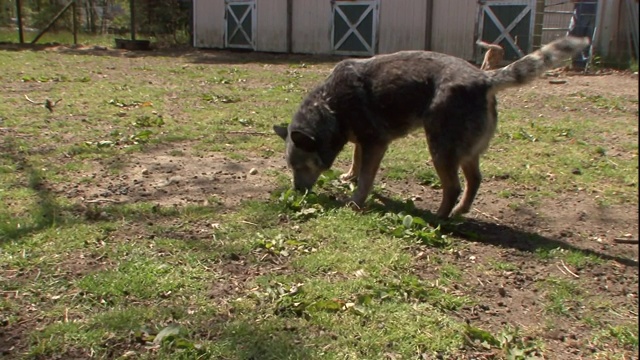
x=459, y=210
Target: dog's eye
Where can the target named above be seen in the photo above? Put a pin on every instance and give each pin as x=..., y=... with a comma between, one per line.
x=299, y=168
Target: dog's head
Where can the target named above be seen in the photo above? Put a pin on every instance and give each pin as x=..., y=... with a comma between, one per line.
x=302, y=155
x=313, y=139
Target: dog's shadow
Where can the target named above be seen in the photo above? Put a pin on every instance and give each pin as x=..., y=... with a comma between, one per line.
x=490, y=233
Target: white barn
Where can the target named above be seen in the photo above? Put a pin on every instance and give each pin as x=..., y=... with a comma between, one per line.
x=367, y=27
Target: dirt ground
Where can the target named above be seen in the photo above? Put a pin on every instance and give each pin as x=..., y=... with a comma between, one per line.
x=570, y=221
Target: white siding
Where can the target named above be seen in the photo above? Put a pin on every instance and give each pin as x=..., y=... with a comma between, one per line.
x=271, y=30
x=311, y=26
x=208, y=23
x=402, y=25
x=454, y=27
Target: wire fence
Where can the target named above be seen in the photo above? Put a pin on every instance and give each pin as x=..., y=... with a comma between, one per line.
x=165, y=20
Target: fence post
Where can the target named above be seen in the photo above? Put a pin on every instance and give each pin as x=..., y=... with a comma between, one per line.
x=538, y=24
x=132, y=9
x=75, y=23
x=19, y=15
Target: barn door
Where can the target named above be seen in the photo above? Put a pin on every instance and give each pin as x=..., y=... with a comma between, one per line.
x=508, y=23
x=240, y=19
x=355, y=24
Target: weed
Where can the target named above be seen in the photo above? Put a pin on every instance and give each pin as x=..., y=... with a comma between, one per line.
x=409, y=227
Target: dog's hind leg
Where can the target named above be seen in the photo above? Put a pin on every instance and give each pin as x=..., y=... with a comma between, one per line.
x=447, y=169
x=352, y=174
x=473, y=177
x=370, y=158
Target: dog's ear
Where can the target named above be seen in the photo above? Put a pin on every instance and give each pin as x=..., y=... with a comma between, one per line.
x=281, y=131
x=303, y=141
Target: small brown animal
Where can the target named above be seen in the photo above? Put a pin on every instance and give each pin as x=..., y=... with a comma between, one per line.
x=493, y=57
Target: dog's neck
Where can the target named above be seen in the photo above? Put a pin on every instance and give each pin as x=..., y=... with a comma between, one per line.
x=316, y=117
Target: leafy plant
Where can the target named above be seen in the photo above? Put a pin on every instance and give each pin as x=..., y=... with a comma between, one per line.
x=291, y=301
x=512, y=344
x=405, y=226
x=216, y=98
x=146, y=121
x=279, y=245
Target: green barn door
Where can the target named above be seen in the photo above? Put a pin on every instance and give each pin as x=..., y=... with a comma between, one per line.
x=355, y=25
x=240, y=19
x=509, y=24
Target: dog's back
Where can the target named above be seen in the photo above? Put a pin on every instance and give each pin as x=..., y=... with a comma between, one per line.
x=386, y=96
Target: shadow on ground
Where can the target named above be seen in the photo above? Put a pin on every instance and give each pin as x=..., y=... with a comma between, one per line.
x=495, y=234
x=196, y=56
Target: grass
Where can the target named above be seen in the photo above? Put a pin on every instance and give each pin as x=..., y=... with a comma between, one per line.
x=563, y=296
x=280, y=275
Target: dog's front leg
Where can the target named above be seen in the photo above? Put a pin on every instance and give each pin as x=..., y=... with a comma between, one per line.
x=370, y=158
x=352, y=174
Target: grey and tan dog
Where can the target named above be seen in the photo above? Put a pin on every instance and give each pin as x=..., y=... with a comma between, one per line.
x=372, y=102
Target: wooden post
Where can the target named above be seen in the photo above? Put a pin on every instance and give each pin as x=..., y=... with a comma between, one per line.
x=538, y=24
x=289, y=26
x=428, y=25
x=75, y=23
x=19, y=15
x=132, y=10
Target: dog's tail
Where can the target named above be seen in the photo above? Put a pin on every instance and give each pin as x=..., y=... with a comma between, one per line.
x=486, y=45
x=533, y=65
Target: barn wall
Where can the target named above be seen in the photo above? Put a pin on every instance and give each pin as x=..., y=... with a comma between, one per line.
x=208, y=23
x=271, y=29
x=311, y=26
x=611, y=38
x=402, y=25
x=454, y=27
x=556, y=21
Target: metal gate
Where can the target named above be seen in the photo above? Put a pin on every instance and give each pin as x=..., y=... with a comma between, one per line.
x=240, y=24
x=509, y=24
x=355, y=27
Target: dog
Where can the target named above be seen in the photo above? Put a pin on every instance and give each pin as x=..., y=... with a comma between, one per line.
x=373, y=101
x=493, y=57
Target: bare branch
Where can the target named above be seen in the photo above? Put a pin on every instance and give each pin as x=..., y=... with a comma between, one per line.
x=31, y=101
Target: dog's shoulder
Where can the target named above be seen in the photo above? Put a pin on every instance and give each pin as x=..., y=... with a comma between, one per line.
x=345, y=81
x=345, y=72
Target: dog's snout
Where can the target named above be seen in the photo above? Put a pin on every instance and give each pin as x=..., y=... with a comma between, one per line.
x=301, y=187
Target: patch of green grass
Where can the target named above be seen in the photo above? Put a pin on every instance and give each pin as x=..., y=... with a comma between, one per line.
x=580, y=259
x=61, y=37
x=138, y=280
x=625, y=335
x=573, y=257
x=567, y=152
x=562, y=296
x=286, y=276
x=503, y=266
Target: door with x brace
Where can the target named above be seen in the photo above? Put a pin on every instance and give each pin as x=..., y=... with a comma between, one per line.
x=509, y=24
x=240, y=17
x=355, y=26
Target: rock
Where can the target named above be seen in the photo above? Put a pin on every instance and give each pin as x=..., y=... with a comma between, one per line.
x=253, y=171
